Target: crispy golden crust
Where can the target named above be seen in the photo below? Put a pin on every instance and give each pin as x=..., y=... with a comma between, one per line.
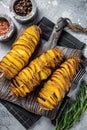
x=59, y=83
x=38, y=70
x=21, y=51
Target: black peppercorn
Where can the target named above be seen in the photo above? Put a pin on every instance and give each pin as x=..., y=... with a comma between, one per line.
x=23, y=7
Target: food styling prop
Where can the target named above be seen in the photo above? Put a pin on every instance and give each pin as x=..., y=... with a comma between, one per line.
x=24, y=11
x=7, y=28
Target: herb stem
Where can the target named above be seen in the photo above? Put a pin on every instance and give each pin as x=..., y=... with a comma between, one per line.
x=74, y=110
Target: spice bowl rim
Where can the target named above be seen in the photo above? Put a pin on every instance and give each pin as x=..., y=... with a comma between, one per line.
x=25, y=18
x=11, y=27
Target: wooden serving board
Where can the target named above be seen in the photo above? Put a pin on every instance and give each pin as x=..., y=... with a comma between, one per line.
x=29, y=103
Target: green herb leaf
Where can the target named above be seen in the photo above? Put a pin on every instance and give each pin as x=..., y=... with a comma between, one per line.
x=74, y=110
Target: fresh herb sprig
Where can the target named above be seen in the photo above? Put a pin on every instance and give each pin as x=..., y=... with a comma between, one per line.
x=74, y=110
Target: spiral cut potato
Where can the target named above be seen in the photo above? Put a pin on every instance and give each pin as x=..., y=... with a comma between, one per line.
x=59, y=83
x=39, y=69
x=20, y=53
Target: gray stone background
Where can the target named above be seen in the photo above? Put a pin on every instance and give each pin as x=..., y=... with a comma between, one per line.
x=76, y=10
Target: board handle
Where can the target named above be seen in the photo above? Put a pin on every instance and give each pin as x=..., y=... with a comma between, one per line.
x=55, y=35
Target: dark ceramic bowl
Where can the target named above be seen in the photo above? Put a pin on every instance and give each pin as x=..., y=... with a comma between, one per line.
x=10, y=33
x=27, y=18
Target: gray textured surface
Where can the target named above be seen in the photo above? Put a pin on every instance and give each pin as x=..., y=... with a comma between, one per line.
x=76, y=10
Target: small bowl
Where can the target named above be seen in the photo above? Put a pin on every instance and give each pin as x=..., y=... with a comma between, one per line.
x=10, y=33
x=27, y=18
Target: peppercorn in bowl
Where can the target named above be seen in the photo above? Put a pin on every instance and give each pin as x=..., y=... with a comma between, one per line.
x=23, y=10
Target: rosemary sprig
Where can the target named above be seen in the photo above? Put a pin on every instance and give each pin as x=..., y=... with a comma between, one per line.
x=73, y=110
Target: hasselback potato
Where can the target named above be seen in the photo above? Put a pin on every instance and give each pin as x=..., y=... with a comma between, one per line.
x=20, y=53
x=59, y=83
x=38, y=70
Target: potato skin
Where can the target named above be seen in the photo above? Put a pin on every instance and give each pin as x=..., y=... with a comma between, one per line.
x=38, y=70
x=59, y=83
x=21, y=51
